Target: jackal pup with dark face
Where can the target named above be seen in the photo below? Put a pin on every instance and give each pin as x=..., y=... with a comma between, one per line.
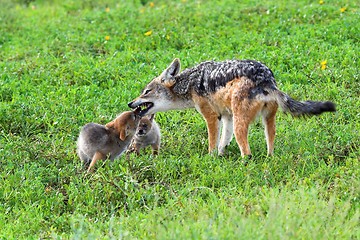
x=147, y=134
x=97, y=141
x=228, y=94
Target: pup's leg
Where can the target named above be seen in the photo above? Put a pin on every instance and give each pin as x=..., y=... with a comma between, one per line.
x=155, y=149
x=244, y=113
x=268, y=116
x=133, y=147
x=137, y=149
x=97, y=156
x=226, y=133
x=82, y=156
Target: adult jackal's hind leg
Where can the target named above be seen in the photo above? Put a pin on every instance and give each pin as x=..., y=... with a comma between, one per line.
x=268, y=115
x=244, y=112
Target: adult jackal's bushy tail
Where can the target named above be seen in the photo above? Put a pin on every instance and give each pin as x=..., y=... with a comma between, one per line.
x=302, y=108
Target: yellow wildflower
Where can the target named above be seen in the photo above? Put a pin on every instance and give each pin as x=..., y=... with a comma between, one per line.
x=323, y=64
x=107, y=38
x=107, y=9
x=343, y=9
x=148, y=33
x=142, y=10
x=167, y=37
x=151, y=4
x=321, y=2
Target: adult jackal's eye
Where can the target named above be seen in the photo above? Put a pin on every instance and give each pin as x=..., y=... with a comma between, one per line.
x=147, y=91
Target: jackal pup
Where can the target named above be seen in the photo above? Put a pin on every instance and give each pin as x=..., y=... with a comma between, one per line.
x=97, y=141
x=147, y=134
x=229, y=94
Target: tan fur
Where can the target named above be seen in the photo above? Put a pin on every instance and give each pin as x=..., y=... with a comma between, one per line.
x=98, y=142
x=97, y=156
x=147, y=134
x=231, y=104
x=233, y=99
x=211, y=117
x=229, y=95
x=123, y=125
x=268, y=115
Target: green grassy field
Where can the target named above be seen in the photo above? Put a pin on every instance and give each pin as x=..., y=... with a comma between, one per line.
x=66, y=63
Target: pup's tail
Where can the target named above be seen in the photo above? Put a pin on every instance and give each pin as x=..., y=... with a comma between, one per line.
x=302, y=108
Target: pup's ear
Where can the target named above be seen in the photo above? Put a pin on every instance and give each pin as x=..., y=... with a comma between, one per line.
x=123, y=134
x=110, y=124
x=170, y=72
x=151, y=117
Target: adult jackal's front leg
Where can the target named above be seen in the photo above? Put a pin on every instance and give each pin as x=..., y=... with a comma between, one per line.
x=212, y=123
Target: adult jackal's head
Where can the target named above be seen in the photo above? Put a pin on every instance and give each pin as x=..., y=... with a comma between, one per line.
x=159, y=94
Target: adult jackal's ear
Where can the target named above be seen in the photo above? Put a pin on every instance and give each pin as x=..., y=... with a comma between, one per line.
x=170, y=72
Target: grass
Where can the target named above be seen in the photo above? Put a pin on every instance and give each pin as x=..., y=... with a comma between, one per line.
x=66, y=63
